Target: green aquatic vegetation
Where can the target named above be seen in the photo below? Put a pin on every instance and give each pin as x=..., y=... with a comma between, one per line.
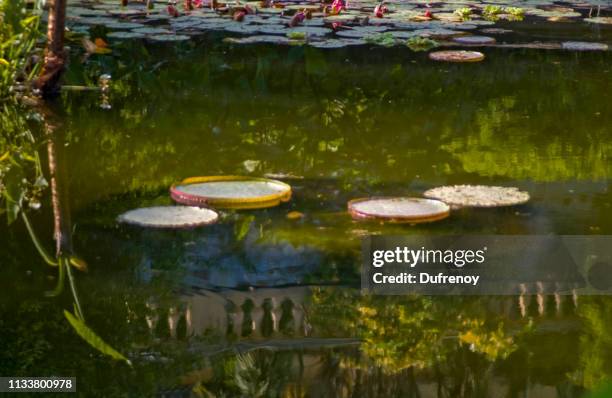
x=491, y=12
x=297, y=35
x=19, y=32
x=418, y=43
x=464, y=13
x=516, y=13
x=381, y=39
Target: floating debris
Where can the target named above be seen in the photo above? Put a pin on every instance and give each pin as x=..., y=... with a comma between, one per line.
x=398, y=209
x=169, y=217
x=457, y=56
x=236, y=192
x=478, y=196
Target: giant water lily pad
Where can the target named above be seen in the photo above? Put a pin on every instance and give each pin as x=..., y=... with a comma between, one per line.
x=231, y=192
x=478, y=195
x=151, y=31
x=600, y=20
x=456, y=56
x=168, y=38
x=474, y=40
x=583, y=46
x=169, y=217
x=337, y=43
x=398, y=209
x=125, y=35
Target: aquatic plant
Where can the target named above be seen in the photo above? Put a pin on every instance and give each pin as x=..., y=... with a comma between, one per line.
x=19, y=32
x=297, y=35
x=419, y=43
x=464, y=13
x=382, y=39
x=516, y=13
x=491, y=12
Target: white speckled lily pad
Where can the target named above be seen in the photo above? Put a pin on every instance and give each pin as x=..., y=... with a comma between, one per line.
x=169, y=217
x=600, y=20
x=406, y=210
x=583, y=46
x=478, y=195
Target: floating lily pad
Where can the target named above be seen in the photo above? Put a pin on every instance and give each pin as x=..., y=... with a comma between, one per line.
x=457, y=56
x=151, y=31
x=97, y=21
x=310, y=30
x=169, y=217
x=125, y=35
x=272, y=39
x=478, y=196
x=600, y=20
x=231, y=191
x=440, y=33
x=124, y=25
x=127, y=11
x=168, y=38
x=583, y=46
x=496, y=31
x=474, y=40
x=337, y=43
x=398, y=209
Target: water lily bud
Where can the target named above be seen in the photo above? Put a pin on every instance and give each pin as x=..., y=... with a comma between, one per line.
x=239, y=16
x=297, y=19
x=172, y=11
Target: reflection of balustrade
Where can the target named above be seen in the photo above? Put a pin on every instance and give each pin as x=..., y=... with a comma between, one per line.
x=542, y=299
x=259, y=313
x=263, y=313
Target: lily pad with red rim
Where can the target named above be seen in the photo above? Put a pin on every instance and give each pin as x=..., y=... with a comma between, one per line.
x=231, y=192
x=456, y=56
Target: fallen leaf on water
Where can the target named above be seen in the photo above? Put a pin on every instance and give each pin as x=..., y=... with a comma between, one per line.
x=294, y=215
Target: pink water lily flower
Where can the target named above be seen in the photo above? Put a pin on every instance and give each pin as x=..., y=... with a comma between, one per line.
x=338, y=5
x=297, y=19
x=198, y=3
x=172, y=11
x=380, y=10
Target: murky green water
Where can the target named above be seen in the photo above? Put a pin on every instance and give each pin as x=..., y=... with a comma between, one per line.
x=284, y=292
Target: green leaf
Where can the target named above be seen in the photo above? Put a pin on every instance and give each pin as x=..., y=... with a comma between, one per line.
x=13, y=192
x=93, y=339
x=241, y=229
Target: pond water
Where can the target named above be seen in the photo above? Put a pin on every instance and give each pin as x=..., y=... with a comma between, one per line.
x=267, y=304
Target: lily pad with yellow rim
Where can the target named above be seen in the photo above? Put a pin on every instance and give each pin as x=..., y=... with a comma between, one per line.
x=231, y=192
